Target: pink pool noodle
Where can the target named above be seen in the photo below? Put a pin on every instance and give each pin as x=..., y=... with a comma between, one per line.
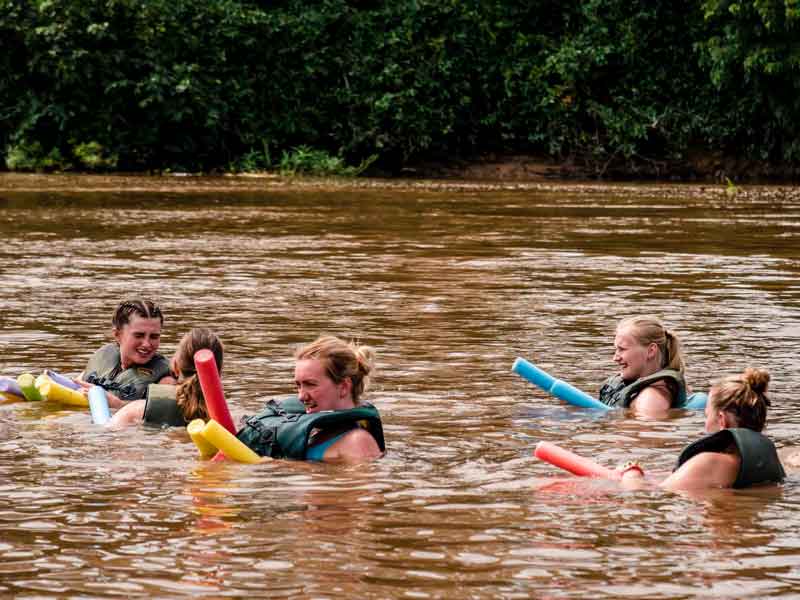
x=569, y=461
x=208, y=374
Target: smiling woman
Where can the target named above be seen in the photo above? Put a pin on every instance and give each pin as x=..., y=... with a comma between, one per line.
x=127, y=366
x=650, y=359
x=327, y=421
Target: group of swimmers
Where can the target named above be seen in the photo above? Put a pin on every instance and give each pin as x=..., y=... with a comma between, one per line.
x=326, y=421
x=651, y=381
x=329, y=421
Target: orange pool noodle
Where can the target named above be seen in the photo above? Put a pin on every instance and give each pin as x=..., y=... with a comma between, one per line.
x=574, y=463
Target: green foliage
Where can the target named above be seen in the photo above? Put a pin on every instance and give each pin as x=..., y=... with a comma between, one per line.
x=308, y=161
x=752, y=56
x=209, y=84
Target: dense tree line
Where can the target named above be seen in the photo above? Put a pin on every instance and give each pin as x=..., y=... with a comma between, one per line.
x=241, y=84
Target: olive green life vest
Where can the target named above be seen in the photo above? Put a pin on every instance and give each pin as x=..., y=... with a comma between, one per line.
x=104, y=369
x=619, y=393
x=282, y=429
x=161, y=406
x=760, y=462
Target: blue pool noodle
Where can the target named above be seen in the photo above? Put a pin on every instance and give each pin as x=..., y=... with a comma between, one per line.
x=98, y=405
x=558, y=388
x=61, y=380
x=696, y=401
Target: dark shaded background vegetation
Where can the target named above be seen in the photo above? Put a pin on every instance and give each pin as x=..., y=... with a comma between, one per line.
x=632, y=86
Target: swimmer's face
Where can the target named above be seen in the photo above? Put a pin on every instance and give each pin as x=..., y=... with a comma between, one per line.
x=715, y=418
x=634, y=359
x=138, y=340
x=317, y=390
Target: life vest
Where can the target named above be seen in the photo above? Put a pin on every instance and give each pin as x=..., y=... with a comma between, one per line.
x=104, y=369
x=619, y=393
x=161, y=406
x=760, y=462
x=283, y=428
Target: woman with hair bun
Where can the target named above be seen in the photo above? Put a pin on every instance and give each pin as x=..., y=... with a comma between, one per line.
x=735, y=454
x=650, y=379
x=327, y=420
x=175, y=405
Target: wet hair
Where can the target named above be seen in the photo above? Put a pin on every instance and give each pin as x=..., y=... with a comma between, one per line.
x=342, y=360
x=146, y=309
x=649, y=330
x=189, y=394
x=743, y=396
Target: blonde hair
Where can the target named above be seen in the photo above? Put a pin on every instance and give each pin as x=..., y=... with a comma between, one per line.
x=743, y=396
x=189, y=394
x=342, y=360
x=649, y=330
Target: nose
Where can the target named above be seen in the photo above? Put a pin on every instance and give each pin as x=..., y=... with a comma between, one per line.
x=617, y=357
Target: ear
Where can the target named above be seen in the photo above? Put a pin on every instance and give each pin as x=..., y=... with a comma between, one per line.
x=346, y=388
x=722, y=420
x=652, y=351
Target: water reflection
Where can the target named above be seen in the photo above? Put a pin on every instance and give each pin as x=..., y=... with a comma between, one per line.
x=450, y=284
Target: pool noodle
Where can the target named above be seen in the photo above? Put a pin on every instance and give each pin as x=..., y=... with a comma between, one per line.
x=54, y=391
x=228, y=444
x=27, y=383
x=574, y=463
x=210, y=383
x=195, y=431
x=61, y=380
x=556, y=387
x=10, y=387
x=696, y=401
x=98, y=405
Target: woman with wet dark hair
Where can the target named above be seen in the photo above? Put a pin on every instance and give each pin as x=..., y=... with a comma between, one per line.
x=129, y=364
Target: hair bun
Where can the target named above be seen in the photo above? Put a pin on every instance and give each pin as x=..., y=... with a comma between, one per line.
x=757, y=379
x=366, y=358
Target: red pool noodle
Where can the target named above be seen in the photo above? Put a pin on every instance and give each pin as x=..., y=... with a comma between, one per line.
x=208, y=374
x=569, y=461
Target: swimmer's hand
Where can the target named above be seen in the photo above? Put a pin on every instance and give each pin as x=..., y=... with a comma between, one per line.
x=631, y=474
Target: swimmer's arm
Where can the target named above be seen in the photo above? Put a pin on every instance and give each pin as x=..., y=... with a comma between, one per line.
x=652, y=401
x=357, y=446
x=704, y=470
x=130, y=414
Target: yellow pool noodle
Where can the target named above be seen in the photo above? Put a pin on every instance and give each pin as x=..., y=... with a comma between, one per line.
x=53, y=391
x=27, y=384
x=230, y=446
x=195, y=431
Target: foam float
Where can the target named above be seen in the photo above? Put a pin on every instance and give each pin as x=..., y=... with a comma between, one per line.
x=27, y=383
x=50, y=390
x=210, y=383
x=10, y=390
x=572, y=395
x=574, y=463
x=98, y=405
x=212, y=437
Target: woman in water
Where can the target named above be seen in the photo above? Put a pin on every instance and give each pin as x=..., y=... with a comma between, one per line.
x=127, y=366
x=175, y=405
x=650, y=379
x=735, y=454
x=327, y=420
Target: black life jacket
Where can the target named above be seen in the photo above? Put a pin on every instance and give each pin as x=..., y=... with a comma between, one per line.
x=104, y=369
x=283, y=428
x=619, y=393
x=760, y=462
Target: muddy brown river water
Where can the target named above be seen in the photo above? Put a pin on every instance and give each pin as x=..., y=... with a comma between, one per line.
x=449, y=281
